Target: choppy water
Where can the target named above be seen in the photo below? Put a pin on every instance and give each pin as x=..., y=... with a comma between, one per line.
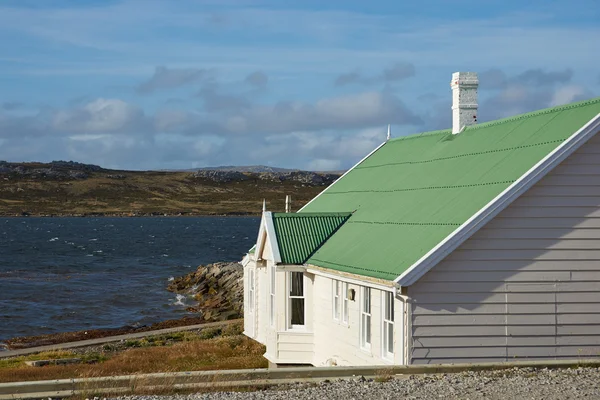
x=64, y=274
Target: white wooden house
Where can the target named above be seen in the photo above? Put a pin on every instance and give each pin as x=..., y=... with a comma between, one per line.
x=480, y=243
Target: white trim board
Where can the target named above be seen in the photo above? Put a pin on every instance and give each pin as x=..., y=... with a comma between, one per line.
x=260, y=240
x=270, y=227
x=344, y=174
x=353, y=281
x=499, y=203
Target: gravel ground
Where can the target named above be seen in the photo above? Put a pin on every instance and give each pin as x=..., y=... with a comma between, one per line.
x=525, y=383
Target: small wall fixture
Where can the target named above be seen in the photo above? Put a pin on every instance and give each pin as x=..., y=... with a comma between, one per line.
x=351, y=294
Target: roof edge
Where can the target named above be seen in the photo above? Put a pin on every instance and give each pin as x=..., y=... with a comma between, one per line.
x=499, y=203
x=316, y=214
x=270, y=227
x=344, y=174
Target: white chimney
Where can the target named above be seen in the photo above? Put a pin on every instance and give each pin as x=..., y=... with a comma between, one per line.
x=464, y=100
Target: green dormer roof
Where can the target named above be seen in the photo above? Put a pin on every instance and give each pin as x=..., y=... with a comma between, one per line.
x=414, y=191
x=300, y=235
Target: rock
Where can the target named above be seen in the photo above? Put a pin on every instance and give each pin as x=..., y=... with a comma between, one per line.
x=218, y=288
x=221, y=176
x=304, y=177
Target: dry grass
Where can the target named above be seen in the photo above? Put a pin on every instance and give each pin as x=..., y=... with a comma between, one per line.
x=142, y=193
x=194, y=354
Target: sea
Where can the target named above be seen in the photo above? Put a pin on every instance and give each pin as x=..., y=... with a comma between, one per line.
x=67, y=274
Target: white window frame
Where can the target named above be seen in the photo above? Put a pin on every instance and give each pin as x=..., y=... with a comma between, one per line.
x=365, y=318
x=289, y=301
x=345, y=303
x=251, y=290
x=272, y=277
x=337, y=301
x=387, y=322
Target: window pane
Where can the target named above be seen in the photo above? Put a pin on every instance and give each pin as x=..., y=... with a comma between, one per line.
x=273, y=279
x=297, y=311
x=346, y=303
x=367, y=300
x=297, y=284
x=368, y=329
x=389, y=306
x=336, y=306
x=272, y=318
x=390, y=338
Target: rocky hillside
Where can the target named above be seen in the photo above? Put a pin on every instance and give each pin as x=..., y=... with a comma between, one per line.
x=70, y=188
x=218, y=288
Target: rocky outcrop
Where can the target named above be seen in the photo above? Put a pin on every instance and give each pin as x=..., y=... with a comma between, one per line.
x=221, y=176
x=218, y=288
x=55, y=170
x=304, y=177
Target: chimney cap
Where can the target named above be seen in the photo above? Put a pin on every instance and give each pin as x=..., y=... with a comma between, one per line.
x=464, y=79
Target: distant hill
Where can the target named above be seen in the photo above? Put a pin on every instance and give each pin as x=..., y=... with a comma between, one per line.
x=71, y=188
x=247, y=168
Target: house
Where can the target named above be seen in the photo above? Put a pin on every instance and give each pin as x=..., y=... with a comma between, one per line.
x=476, y=244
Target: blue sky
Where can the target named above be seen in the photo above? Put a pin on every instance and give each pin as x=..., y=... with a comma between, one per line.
x=145, y=84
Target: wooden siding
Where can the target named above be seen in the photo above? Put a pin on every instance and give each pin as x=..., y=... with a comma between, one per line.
x=295, y=347
x=338, y=343
x=527, y=285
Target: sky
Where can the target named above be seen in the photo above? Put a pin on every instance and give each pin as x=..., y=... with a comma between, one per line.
x=149, y=84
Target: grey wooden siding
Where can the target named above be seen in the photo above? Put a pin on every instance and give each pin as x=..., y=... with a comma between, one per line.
x=527, y=285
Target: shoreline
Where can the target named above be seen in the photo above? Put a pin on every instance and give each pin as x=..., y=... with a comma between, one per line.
x=215, y=287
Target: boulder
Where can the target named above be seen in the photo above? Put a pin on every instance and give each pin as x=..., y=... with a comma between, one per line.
x=218, y=288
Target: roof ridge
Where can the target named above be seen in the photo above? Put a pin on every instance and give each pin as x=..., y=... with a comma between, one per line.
x=499, y=121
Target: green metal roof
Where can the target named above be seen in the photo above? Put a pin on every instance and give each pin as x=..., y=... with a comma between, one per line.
x=416, y=190
x=299, y=235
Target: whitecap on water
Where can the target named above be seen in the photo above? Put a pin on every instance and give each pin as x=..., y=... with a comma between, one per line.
x=165, y=255
x=171, y=279
x=97, y=251
x=93, y=240
x=53, y=239
x=179, y=300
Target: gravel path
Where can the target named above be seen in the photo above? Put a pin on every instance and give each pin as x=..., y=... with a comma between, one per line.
x=525, y=383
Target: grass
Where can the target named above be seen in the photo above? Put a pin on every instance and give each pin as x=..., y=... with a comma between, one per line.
x=143, y=193
x=183, y=351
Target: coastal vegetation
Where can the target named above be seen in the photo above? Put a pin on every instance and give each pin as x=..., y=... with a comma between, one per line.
x=207, y=349
x=74, y=189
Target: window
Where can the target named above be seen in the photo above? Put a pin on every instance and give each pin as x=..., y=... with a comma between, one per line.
x=251, y=290
x=337, y=288
x=341, y=301
x=272, y=296
x=388, y=325
x=365, y=318
x=296, y=299
x=345, y=309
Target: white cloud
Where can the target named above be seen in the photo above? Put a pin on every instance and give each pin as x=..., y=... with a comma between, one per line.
x=569, y=94
x=324, y=164
x=100, y=115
